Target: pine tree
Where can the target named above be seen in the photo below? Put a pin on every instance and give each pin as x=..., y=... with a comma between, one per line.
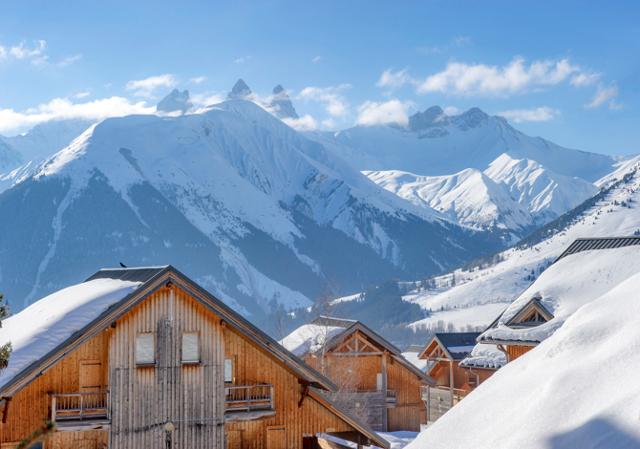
x=5, y=350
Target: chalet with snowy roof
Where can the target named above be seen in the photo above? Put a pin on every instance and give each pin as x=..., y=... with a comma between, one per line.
x=145, y=358
x=443, y=354
x=559, y=291
x=375, y=382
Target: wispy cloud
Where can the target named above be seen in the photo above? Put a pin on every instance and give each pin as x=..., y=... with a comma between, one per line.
x=242, y=59
x=146, y=87
x=380, y=113
x=394, y=79
x=198, y=79
x=605, y=95
x=304, y=123
x=316, y=59
x=65, y=108
x=456, y=42
x=331, y=97
x=540, y=114
x=69, y=60
x=489, y=80
x=34, y=53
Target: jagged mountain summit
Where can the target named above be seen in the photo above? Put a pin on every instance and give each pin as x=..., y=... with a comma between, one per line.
x=176, y=101
x=281, y=104
x=240, y=91
x=9, y=157
x=238, y=200
x=436, y=144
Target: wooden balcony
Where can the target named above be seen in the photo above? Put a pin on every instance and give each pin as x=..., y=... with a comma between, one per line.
x=440, y=399
x=80, y=409
x=246, y=402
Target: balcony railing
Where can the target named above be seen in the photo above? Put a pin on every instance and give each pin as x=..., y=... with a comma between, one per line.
x=79, y=406
x=246, y=398
x=439, y=400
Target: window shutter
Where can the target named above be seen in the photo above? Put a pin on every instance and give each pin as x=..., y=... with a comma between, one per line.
x=228, y=370
x=145, y=349
x=190, y=347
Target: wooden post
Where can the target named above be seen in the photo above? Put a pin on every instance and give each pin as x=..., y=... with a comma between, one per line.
x=451, y=380
x=53, y=409
x=385, y=423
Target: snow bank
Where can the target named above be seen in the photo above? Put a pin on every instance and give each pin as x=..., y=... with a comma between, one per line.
x=309, y=338
x=45, y=324
x=485, y=356
x=566, y=286
x=577, y=389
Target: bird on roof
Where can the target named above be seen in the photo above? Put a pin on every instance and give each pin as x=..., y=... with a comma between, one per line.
x=122, y=265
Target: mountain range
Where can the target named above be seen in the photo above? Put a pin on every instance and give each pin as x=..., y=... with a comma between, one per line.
x=271, y=218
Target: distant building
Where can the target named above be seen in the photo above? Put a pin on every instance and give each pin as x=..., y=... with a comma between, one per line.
x=144, y=358
x=375, y=382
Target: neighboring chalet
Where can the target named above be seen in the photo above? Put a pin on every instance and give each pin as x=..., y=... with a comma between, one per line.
x=443, y=354
x=541, y=309
x=375, y=382
x=144, y=358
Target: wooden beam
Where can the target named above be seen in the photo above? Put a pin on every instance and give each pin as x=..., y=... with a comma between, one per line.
x=385, y=420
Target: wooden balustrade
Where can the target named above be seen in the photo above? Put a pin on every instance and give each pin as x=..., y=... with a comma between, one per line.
x=249, y=397
x=79, y=406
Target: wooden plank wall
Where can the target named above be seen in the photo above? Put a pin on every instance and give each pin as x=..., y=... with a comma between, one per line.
x=144, y=399
x=31, y=406
x=516, y=351
x=252, y=365
x=87, y=439
x=410, y=410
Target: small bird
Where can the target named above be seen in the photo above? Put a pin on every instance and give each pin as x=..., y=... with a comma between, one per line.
x=123, y=265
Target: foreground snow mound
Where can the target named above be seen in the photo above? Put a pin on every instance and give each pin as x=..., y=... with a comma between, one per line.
x=578, y=389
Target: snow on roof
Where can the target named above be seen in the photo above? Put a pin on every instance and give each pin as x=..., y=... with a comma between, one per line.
x=564, y=287
x=485, y=356
x=412, y=357
x=577, y=389
x=310, y=338
x=47, y=323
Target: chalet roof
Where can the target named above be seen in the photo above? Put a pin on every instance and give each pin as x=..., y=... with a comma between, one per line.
x=456, y=345
x=586, y=244
x=581, y=274
x=50, y=328
x=329, y=332
x=485, y=356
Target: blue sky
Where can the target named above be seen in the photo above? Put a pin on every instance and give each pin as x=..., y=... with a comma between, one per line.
x=567, y=71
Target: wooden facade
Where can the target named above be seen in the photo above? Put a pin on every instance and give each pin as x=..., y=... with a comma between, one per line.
x=271, y=401
x=375, y=382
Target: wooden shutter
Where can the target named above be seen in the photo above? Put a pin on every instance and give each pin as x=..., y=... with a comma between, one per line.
x=145, y=349
x=190, y=347
x=228, y=370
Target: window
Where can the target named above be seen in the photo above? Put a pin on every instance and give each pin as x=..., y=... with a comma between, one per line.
x=228, y=371
x=145, y=349
x=190, y=348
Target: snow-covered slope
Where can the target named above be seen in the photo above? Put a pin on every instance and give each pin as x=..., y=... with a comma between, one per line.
x=9, y=157
x=485, y=288
x=577, y=389
x=175, y=102
x=235, y=198
x=546, y=194
x=469, y=197
x=438, y=144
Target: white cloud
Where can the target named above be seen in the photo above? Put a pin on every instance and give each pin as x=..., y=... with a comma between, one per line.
x=146, y=87
x=242, y=59
x=22, y=52
x=63, y=108
x=69, y=60
x=605, y=95
x=451, y=110
x=485, y=80
x=316, y=59
x=331, y=97
x=83, y=94
x=380, y=113
x=585, y=79
x=198, y=79
x=540, y=114
x=203, y=100
x=304, y=123
x=394, y=80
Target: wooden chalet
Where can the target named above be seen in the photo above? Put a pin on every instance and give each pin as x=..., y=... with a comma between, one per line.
x=375, y=382
x=443, y=354
x=514, y=331
x=145, y=358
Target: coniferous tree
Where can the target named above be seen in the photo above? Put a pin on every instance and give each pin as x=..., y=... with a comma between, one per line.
x=5, y=350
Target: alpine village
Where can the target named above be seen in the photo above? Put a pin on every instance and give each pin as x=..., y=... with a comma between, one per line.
x=427, y=237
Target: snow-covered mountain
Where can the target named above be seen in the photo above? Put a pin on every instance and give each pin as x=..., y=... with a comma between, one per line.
x=176, y=101
x=437, y=144
x=246, y=205
x=281, y=105
x=469, y=197
x=9, y=157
